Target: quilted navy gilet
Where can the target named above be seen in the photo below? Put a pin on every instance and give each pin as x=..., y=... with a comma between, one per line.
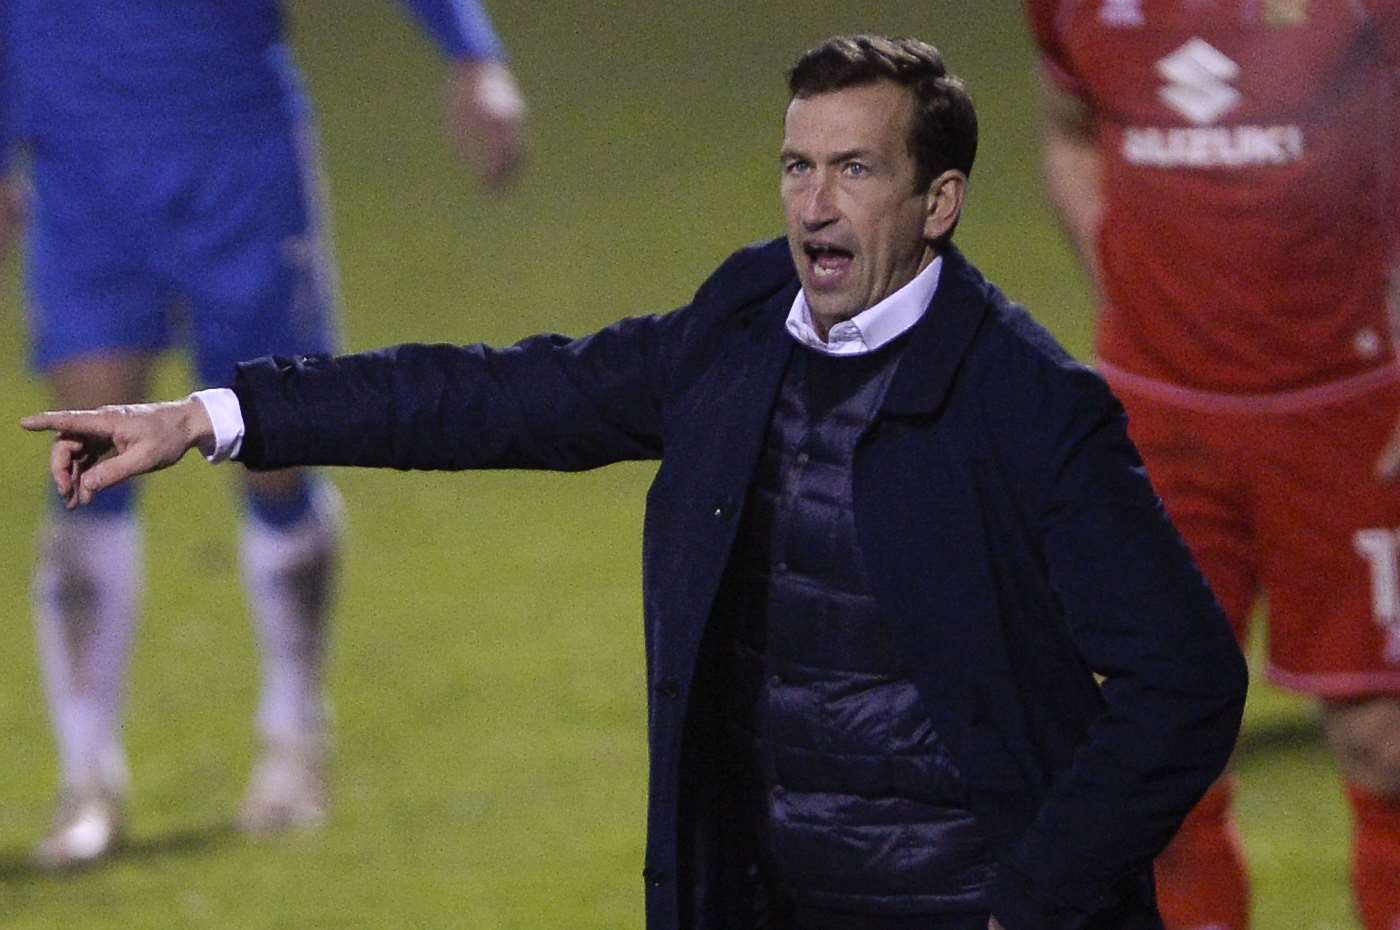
x=847, y=795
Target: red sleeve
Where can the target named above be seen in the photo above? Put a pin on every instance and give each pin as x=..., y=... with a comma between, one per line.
x=1044, y=18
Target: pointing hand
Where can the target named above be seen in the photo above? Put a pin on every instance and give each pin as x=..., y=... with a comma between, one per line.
x=98, y=448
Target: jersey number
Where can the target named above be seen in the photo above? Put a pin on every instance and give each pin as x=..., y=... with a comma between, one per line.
x=1381, y=550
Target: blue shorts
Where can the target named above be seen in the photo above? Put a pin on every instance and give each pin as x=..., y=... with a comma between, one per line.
x=217, y=244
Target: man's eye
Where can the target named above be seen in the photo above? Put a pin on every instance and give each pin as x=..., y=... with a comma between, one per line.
x=794, y=167
x=856, y=169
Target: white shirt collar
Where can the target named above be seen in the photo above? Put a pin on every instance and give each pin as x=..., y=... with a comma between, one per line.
x=871, y=328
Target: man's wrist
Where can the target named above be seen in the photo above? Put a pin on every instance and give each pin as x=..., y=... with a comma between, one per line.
x=198, y=428
x=492, y=84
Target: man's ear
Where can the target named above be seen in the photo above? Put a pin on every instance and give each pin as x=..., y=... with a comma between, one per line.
x=944, y=203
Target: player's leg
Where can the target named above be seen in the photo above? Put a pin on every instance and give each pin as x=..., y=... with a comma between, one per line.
x=260, y=284
x=95, y=322
x=86, y=588
x=289, y=547
x=1201, y=878
x=1202, y=883
x=1364, y=734
x=1332, y=533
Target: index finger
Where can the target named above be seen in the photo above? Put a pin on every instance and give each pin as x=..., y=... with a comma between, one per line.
x=67, y=421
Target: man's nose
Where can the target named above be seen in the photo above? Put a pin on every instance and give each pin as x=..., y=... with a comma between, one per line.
x=819, y=205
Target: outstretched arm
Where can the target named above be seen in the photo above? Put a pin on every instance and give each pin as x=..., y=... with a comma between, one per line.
x=546, y=402
x=99, y=448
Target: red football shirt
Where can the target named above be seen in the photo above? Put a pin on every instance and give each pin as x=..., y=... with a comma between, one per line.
x=1249, y=224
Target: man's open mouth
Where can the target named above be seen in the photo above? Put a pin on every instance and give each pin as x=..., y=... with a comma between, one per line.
x=828, y=261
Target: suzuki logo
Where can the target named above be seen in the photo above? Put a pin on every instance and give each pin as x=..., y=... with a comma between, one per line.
x=1121, y=13
x=1200, y=79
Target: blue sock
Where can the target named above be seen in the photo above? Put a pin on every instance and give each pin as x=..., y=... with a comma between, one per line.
x=281, y=511
x=114, y=501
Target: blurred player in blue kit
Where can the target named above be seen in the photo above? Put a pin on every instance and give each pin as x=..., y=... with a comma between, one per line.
x=172, y=196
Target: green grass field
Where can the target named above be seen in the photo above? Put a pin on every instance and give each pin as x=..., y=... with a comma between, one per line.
x=487, y=675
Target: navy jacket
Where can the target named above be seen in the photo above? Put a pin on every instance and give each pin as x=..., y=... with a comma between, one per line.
x=1008, y=523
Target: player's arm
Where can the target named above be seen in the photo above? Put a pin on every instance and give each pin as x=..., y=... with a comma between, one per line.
x=1071, y=166
x=484, y=110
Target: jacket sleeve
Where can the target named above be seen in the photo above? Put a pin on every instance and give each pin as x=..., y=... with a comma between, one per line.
x=545, y=402
x=1140, y=615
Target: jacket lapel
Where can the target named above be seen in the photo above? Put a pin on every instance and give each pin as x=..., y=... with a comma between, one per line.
x=940, y=339
x=740, y=391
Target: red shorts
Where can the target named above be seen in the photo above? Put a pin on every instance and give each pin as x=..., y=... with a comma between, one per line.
x=1276, y=497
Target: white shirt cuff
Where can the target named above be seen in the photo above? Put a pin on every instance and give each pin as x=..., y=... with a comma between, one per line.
x=227, y=418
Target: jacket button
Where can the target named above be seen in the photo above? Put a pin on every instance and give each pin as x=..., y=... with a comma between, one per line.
x=775, y=681
x=779, y=791
x=654, y=878
x=724, y=509
x=668, y=688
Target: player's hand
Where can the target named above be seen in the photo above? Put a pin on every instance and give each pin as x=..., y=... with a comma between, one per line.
x=14, y=195
x=1388, y=463
x=95, y=449
x=485, y=119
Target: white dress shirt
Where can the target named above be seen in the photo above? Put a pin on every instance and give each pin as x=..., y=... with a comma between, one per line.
x=224, y=413
x=872, y=328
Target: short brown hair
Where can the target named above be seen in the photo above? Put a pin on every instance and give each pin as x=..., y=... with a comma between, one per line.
x=944, y=132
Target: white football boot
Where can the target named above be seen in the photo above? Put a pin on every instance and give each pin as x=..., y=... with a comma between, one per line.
x=87, y=827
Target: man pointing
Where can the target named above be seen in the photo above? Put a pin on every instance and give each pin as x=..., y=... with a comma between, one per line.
x=895, y=533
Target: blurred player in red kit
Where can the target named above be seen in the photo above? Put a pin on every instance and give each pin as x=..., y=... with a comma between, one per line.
x=1226, y=172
